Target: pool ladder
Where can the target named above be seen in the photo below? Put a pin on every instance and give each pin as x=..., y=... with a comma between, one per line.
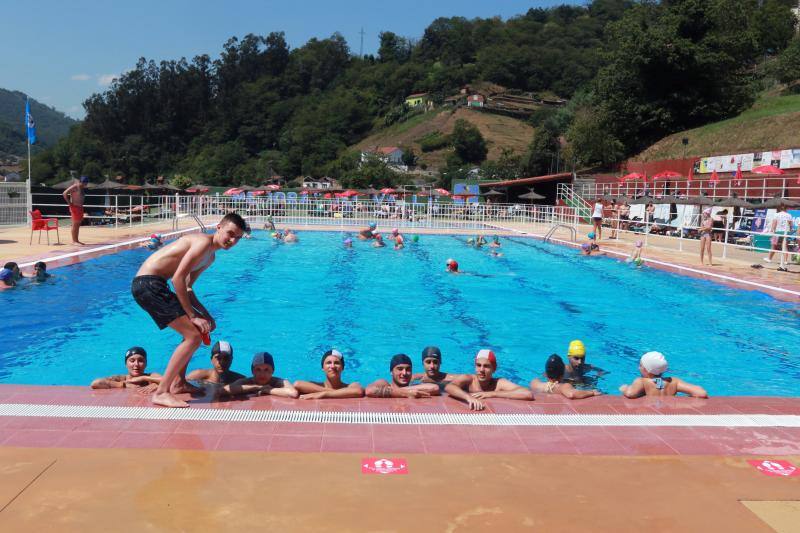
x=184, y=215
x=555, y=227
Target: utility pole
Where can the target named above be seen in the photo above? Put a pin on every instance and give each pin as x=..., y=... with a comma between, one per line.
x=361, y=49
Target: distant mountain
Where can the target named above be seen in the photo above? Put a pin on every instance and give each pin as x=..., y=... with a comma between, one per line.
x=51, y=125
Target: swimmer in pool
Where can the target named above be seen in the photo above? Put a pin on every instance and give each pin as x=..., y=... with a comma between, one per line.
x=495, y=253
x=269, y=225
x=483, y=384
x=378, y=241
x=278, y=235
x=135, y=362
x=40, y=272
x=397, y=237
x=221, y=360
x=263, y=382
x=333, y=386
x=451, y=266
x=432, y=364
x=347, y=243
x=290, y=236
x=636, y=254
x=400, y=387
x=368, y=232
x=153, y=243
x=495, y=242
x=652, y=382
x=554, y=371
x=7, y=279
x=480, y=240
x=577, y=367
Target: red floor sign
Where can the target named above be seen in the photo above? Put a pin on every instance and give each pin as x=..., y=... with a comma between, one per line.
x=384, y=465
x=775, y=468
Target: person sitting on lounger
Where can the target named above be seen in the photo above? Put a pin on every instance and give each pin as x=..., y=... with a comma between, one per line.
x=483, y=384
x=652, y=367
x=333, y=386
x=135, y=362
x=400, y=387
x=554, y=371
x=221, y=360
x=263, y=382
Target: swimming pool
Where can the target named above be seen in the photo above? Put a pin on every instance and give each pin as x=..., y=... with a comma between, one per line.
x=296, y=301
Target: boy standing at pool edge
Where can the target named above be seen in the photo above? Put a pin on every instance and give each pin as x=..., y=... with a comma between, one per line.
x=182, y=261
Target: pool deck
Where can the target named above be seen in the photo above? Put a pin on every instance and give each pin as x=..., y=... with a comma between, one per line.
x=98, y=472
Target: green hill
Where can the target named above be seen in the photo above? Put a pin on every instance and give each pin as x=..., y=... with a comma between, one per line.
x=51, y=125
x=499, y=132
x=772, y=122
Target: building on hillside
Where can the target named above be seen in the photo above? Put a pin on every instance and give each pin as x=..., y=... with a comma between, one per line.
x=418, y=100
x=13, y=176
x=457, y=100
x=319, y=183
x=475, y=100
x=392, y=155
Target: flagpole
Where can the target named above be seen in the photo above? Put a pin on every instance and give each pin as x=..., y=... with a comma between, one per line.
x=29, y=199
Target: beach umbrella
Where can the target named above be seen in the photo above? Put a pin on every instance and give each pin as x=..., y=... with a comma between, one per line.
x=492, y=192
x=695, y=200
x=531, y=195
x=63, y=184
x=235, y=191
x=667, y=199
x=667, y=174
x=258, y=192
x=198, y=188
x=108, y=185
x=388, y=190
x=767, y=169
x=732, y=201
x=442, y=192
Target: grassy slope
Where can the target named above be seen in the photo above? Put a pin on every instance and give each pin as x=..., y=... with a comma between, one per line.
x=773, y=122
x=499, y=131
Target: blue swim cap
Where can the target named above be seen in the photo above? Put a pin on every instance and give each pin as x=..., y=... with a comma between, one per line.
x=591, y=235
x=6, y=274
x=373, y=225
x=263, y=358
x=399, y=359
x=585, y=247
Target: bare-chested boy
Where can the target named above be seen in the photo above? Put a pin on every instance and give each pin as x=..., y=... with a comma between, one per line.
x=483, y=385
x=73, y=195
x=400, y=387
x=135, y=362
x=263, y=382
x=221, y=360
x=333, y=386
x=432, y=364
x=182, y=261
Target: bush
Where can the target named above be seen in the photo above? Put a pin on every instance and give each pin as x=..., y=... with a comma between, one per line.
x=434, y=141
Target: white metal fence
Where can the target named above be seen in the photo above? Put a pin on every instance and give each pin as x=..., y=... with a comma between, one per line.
x=13, y=203
x=751, y=188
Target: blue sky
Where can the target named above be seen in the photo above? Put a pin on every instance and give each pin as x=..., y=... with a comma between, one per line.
x=60, y=52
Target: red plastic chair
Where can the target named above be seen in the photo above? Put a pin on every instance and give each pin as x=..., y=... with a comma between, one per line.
x=43, y=224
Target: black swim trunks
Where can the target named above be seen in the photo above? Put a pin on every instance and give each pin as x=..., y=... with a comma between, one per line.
x=154, y=296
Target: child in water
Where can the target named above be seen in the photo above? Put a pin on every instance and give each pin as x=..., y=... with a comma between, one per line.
x=378, y=241
x=399, y=241
x=652, y=367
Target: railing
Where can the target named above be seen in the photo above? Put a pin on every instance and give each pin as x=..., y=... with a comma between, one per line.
x=566, y=193
x=13, y=203
x=749, y=188
x=112, y=210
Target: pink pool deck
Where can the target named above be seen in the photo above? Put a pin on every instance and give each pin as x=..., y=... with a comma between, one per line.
x=213, y=435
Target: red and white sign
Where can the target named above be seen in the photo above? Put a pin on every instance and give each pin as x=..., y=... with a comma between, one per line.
x=775, y=468
x=384, y=465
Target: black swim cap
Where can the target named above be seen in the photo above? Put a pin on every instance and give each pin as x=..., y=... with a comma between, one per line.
x=335, y=353
x=432, y=351
x=399, y=359
x=135, y=350
x=263, y=358
x=554, y=367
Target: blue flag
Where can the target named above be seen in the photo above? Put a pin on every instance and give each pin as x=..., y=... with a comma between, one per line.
x=29, y=123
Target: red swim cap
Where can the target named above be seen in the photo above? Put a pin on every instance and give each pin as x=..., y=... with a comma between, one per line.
x=452, y=266
x=487, y=354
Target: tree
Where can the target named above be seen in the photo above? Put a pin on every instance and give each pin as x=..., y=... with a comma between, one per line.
x=589, y=139
x=409, y=157
x=468, y=143
x=507, y=167
x=543, y=152
x=787, y=68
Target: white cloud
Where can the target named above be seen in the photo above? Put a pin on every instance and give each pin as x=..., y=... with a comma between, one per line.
x=80, y=77
x=104, y=80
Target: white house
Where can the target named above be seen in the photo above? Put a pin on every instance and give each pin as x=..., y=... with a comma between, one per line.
x=391, y=154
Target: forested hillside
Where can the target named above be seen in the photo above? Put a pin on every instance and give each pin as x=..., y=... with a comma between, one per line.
x=51, y=125
x=633, y=72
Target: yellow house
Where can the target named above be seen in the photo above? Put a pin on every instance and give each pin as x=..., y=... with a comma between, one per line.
x=418, y=100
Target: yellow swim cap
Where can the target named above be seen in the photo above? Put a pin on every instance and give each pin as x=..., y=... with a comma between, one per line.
x=576, y=349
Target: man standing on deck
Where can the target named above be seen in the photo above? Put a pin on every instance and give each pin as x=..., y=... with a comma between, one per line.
x=73, y=195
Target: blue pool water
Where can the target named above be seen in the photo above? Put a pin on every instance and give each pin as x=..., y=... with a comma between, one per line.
x=296, y=301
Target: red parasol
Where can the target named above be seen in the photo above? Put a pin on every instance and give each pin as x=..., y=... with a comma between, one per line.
x=388, y=190
x=350, y=192
x=258, y=192
x=235, y=191
x=633, y=176
x=327, y=196
x=272, y=187
x=442, y=192
x=767, y=169
x=197, y=188
x=667, y=174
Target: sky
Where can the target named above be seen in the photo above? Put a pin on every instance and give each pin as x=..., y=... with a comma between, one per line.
x=60, y=52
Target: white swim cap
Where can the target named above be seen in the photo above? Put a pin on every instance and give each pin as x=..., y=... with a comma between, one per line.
x=654, y=362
